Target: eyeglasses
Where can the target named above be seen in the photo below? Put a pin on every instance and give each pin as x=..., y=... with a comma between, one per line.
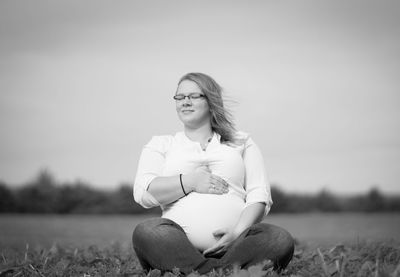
x=192, y=96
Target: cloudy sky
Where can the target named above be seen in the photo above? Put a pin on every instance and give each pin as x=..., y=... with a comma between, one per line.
x=85, y=84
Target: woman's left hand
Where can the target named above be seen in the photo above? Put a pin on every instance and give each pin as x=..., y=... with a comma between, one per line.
x=225, y=238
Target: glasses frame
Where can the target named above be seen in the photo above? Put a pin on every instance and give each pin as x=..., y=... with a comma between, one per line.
x=191, y=96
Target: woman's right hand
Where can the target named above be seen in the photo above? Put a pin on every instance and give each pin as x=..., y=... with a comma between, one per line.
x=203, y=181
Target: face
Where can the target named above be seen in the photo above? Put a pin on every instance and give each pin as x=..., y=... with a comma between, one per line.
x=192, y=112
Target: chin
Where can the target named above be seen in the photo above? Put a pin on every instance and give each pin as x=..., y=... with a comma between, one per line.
x=188, y=118
x=191, y=120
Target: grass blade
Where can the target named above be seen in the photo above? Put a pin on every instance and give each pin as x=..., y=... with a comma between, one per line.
x=324, y=266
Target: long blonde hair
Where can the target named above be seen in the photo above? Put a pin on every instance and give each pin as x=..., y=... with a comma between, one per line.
x=221, y=119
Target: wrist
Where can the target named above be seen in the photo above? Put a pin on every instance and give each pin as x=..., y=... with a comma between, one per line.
x=187, y=183
x=238, y=230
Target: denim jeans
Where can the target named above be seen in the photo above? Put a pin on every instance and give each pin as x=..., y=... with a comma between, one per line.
x=161, y=243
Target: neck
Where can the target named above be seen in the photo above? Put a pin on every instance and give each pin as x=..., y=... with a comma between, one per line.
x=200, y=134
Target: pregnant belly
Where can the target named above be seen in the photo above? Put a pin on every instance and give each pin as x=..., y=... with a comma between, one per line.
x=201, y=214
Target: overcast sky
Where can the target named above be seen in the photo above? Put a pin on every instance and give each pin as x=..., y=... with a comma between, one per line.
x=85, y=84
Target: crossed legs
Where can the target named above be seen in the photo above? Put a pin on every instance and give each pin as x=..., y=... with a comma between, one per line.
x=161, y=243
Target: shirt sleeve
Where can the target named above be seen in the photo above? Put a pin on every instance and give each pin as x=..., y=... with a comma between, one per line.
x=256, y=183
x=150, y=166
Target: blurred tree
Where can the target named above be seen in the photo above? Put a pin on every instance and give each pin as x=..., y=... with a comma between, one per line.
x=39, y=195
x=326, y=202
x=72, y=196
x=89, y=200
x=375, y=201
x=353, y=203
x=301, y=203
x=280, y=200
x=45, y=195
x=7, y=199
x=393, y=203
x=122, y=202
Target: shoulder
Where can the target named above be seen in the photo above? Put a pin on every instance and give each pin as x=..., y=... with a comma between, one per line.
x=162, y=138
x=160, y=143
x=243, y=138
x=241, y=135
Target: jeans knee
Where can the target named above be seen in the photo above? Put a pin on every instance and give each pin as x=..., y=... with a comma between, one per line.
x=286, y=243
x=151, y=229
x=286, y=239
x=144, y=229
x=279, y=235
x=281, y=242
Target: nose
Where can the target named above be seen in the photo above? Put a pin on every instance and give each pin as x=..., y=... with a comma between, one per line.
x=187, y=101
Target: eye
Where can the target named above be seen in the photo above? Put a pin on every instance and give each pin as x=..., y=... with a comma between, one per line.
x=196, y=95
x=179, y=97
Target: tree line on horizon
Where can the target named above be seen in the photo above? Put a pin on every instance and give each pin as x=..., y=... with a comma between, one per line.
x=44, y=194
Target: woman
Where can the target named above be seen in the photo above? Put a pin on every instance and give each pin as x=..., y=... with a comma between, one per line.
x=210, y=184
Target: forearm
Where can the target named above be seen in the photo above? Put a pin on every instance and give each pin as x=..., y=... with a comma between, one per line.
x=252, y=214
x=168, y=189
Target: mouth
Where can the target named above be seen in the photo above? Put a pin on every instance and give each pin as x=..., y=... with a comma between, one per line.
x=187, y=111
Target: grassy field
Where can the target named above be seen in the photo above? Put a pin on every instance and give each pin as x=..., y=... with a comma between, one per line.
x=327, y=245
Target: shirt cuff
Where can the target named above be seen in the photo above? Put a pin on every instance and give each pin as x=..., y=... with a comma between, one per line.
x=142, y=196
x=259, y=195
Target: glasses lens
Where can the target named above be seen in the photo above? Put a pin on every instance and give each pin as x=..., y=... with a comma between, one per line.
x=192, y=96
x=179, y=97
x=196, y=95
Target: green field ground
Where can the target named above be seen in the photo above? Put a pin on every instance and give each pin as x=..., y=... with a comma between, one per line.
x=98, y=245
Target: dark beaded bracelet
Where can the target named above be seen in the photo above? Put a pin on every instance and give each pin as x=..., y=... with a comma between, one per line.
x=183, y=189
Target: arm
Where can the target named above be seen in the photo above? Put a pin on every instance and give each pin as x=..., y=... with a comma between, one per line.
x=150, y=166
x=152, y=189
x=258, y=198
x=251, y=215
x=169, y=189
x=256, y=183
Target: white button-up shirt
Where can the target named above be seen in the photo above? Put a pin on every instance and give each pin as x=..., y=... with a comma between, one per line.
x=241, y=166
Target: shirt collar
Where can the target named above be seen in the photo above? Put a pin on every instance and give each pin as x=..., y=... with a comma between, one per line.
x=181, y=135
